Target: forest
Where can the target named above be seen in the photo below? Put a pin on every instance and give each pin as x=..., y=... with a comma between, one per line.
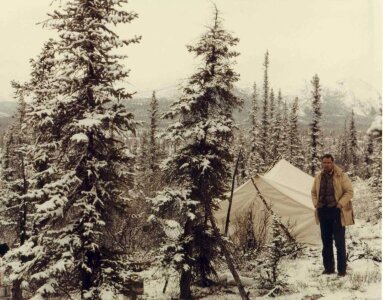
x=97, y=204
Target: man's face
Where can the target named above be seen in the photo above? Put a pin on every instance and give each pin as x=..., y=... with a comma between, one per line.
x=327, y=164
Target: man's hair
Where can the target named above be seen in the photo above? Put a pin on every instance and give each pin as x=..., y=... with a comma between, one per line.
x=328, y=156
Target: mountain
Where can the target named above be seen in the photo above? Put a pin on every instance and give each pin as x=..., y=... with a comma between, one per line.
x=166, y=92
x=7, y=109
x=140, y=104
x=338, y=101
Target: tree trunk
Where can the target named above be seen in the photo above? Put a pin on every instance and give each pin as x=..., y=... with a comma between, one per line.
x=86, y=282
x=185, y=283
x=16, y=290
x=93, y=262
x=17, y=293
x=231, y=193
x=228, y=257
x=186, y=275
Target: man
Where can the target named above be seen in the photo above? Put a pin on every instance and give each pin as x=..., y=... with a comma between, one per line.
x=331, y=194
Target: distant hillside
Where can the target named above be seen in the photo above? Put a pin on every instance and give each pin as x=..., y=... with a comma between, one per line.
x=7, y=109
x=338, y=101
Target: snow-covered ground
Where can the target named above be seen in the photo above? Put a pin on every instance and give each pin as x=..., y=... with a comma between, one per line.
x=303, y=275
x=304, y=278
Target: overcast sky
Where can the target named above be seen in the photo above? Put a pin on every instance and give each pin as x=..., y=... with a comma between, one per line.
x=338, y=39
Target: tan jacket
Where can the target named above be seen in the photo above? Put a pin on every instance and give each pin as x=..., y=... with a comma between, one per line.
x=343, y=195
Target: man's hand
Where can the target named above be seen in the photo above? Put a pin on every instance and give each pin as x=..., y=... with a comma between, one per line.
x=338, y=205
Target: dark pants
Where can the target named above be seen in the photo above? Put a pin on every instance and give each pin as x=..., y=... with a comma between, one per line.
x=332, y=229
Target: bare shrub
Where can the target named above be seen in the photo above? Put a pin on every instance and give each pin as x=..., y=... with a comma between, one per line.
x=358, y=280
x=359, y=249
x=250, y=232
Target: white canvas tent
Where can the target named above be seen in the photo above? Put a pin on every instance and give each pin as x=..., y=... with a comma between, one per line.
x=288, y=190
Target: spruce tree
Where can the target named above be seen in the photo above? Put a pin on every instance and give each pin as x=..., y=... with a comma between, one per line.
x=271, y=275
x=154, y=151
x=295, y=147
x=353, y=146
x=265, y=114
x=14, y=203
x=151, y=177
x=70, y=251
x=241, y=158
x=375, y=134
x=143, y=160
x=272, y=142
x=199, y=170
x=272, y=108
x=284, y=136
x=373, y=159
x=277, y=143
x=368, y=157
x=343, y=148
x=255, y=161
x=36, y=164
x=315, y=126
x=376, y=168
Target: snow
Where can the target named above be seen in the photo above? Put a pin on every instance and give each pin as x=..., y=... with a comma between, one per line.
x=376, y=126
x=190, y=215
x=88, y=122
x=107, y=295
x=172, y=229
x=80, y=138
x=357, y=94
x=304, y=278
x=205, y=164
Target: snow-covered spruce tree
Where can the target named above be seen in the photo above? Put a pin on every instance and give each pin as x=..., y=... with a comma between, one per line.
x=353, y=146
x=240, y=150
x=154, y=116
x=343, y=151
x=271, y=275
x=272, y=107
x=295, y=147
x=368, y=157
x=71, y=247
x=277, y=143
x=14, y=205
x=272, y=143
x=332, y=142
x=375, y=133
x=199, y=170
x=283, y=148
x=143, y=156
x=150, y=152
x=148, y=180
x=315, y=126
x=373, y=166
x=255, y=161
x=37, y=156
x=265, y=115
